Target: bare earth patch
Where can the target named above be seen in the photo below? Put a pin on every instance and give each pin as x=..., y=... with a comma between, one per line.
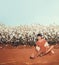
x=20, y=56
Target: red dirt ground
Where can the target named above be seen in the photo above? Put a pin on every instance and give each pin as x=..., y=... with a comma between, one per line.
x=20, y=56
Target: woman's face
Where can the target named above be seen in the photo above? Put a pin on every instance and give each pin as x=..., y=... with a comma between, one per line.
x=39, y=37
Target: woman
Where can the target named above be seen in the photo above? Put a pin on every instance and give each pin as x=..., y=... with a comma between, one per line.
x=42, y=47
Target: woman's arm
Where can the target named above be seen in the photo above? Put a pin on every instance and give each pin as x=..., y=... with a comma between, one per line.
x=49, y=49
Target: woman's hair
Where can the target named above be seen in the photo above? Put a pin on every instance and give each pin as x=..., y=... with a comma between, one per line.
x=39, y=35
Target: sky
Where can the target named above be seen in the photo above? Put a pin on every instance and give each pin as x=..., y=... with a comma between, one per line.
x=21, y=12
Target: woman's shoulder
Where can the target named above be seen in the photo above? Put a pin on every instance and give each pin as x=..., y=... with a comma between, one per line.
x=44, y=40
